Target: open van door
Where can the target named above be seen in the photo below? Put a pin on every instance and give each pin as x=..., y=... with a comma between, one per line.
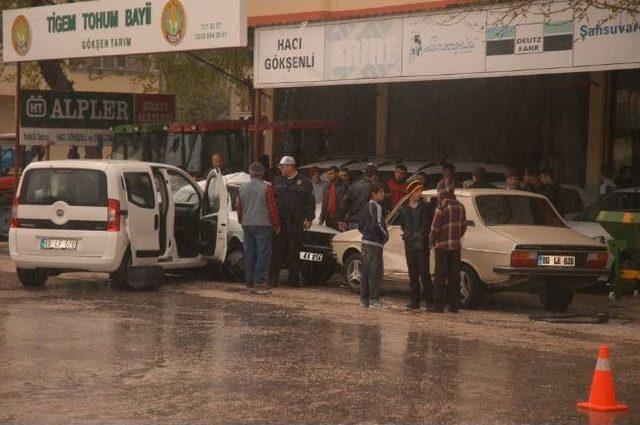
x=215, y=218
x=143, y=215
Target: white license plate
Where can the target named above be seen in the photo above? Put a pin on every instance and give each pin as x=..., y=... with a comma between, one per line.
x=64, y=244
x=311, y=256
x=556, y=261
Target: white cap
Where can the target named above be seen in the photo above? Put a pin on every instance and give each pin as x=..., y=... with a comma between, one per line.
x=287, y=160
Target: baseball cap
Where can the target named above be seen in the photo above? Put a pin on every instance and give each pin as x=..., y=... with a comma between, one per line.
x=287, y=160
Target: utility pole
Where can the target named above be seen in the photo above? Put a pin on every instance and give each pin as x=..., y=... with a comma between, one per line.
x=16, y=150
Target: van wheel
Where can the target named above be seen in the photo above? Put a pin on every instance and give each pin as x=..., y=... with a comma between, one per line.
x=136, y=278
x=353, y=272
x=234, y=264
x=471, y=287
x=32, y=278
x=555, y=295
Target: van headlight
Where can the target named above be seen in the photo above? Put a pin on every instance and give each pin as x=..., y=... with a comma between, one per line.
x=600, y=239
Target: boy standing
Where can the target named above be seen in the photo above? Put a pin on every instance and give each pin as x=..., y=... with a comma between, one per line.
x=415, y=221
x=374, y=236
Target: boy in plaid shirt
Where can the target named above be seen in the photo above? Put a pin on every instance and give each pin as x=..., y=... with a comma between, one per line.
x=448, y=226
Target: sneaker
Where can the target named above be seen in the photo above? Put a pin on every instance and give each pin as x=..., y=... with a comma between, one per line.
x=412, y=306
x=377, y=304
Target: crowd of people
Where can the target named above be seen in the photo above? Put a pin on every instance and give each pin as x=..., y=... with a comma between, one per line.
x=275, y=215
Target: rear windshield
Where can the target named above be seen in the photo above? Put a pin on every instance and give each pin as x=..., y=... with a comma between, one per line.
x=509, y=210
x=87, y=188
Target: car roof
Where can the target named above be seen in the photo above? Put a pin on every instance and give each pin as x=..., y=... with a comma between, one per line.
x=97, y=164
x=412, y=165
x=336, y=162
x=479, y=192
x=467, y=167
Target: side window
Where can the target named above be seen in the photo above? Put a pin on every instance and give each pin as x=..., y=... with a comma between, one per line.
x=213, y=196
x=183, y=191
x=140, y=189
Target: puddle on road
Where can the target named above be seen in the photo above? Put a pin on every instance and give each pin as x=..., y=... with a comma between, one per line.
x=80, y=352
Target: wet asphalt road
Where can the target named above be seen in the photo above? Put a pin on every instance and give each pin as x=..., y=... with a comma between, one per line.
x=82, y=352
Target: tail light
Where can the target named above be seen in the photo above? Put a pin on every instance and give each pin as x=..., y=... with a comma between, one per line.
x=15, y=222
x=528, y=259
x=597, y=260
x=113, y=215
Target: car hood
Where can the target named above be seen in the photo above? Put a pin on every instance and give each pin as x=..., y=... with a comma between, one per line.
x=348, y=237
x=544, y=235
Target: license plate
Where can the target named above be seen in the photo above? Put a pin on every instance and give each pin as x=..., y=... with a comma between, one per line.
x=556, y=261
x=311, y=256
x=64, y=244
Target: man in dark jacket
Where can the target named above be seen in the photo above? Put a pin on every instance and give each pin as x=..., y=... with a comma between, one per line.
x=332, y=198
x=479, y=179
x=531, y=180
x=357, y=196
x=296, y=205
x=551, y=189
x=415, y=221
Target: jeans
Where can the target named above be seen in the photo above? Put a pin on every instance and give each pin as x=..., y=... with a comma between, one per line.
x=418, y=265
x=447, y=270
x=371, y=272
x=257, y=253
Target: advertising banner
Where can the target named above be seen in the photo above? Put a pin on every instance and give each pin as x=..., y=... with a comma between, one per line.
x=154, y=108
x=363, y=50
x=87, y=118
x=117, y=27
x=460, y=44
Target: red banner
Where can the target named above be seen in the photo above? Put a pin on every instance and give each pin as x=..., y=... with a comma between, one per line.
x=155, y=108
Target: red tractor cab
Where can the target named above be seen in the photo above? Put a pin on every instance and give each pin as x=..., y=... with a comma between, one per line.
x=190, y=145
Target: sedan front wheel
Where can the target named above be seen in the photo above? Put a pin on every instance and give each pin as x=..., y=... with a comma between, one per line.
x=353, y=272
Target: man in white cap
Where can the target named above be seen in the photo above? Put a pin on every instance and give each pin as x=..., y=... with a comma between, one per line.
x=296, y=204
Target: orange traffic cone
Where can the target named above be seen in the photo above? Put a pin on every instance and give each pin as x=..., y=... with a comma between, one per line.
x=603, y=393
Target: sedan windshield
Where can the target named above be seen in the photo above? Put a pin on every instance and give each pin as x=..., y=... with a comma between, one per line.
x=514, y=210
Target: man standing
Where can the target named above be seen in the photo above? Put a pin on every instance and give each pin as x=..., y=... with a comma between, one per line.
x=551, y=189
x=513, y=181
x=332, y=199
x=294, y=195
x=217, y=163
x=479, y=179
x=319, y=187
x=258, y=214
x=357, y=196
x=531, y=180
x=398, y=186
x=448, y=227
x=344, y=176
x=415, y=221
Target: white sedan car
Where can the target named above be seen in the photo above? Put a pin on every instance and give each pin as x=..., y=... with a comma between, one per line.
x=511, y=236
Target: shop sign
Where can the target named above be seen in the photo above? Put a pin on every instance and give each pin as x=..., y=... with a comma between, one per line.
x=461, y=44
x=87, y=118
x=154, y=108
x=116, y=27
x=291, y=55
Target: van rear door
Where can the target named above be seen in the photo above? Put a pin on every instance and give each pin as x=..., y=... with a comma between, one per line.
x=143, y=215
x=62, y=212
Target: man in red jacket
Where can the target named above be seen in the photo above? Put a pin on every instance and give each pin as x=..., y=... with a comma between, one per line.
x=398, y=186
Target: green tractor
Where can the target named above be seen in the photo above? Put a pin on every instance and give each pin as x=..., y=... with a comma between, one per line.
x=624, y=227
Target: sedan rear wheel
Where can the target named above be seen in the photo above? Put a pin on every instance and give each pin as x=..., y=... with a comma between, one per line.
x=353, y=272
x=555, y=295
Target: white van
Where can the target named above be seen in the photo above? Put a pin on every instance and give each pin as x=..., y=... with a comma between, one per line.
x=131, y=219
